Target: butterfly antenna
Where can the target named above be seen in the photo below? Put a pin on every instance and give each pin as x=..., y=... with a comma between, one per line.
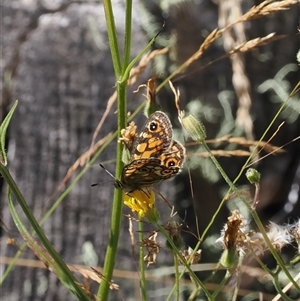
x=95, y=184
x=107, y=171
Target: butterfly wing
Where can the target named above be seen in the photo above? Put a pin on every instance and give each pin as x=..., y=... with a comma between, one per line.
x=148, y=171
x=141, y=173
x=155, y=137
x=174, y=157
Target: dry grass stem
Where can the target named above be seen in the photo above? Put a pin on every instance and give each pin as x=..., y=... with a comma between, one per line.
x=176, y=93
x=263, y=9
x=222, y=153
x=267, y=147
x=86, y=272
x=99, y=275
x=266, y=8
x=131, y=235
x=229, y=10
x=251, y=44
x=277, y=150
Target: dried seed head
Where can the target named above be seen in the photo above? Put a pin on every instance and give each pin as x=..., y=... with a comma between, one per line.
x=174, y=228
x=151, y=104
x=233, y=234
x=128, y=135
x=189, y=252
x=152, y=247
x=279, y=235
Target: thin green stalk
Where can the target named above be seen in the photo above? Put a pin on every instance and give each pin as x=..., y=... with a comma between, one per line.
x=116, y=217
x=3, y=128
x=194, y=293
x=177, y=279
x=127, y=41
x=12, y=264
x=271, y=248
x=112, y=37
x=221, y=285
x=135, y=60
x=142, y=264
x=279, y=290
x=264, y=267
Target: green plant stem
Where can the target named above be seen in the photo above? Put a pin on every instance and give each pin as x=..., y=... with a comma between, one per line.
x=116, y=217
x=271, y=248
x=112, y=37
x=135, y=60
x=3, y=128
x=177, y=279
x=142, y=263
x=221, y=285
x=127, y=41
x=12, y=264
x=279, y=290
x=194, y=293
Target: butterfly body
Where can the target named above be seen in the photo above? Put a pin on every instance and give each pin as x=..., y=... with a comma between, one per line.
x=155, y=156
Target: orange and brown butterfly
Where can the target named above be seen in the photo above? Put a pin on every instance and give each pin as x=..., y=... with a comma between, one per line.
x=154, y=157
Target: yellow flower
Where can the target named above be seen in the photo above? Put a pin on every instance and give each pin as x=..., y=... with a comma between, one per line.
x=140, y=201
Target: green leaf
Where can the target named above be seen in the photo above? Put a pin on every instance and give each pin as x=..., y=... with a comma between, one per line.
x=3, y=128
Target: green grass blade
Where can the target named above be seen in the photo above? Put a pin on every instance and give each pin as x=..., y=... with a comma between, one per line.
x=3, y=128
x=48, y=255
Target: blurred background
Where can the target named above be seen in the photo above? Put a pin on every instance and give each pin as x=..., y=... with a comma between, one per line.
x=56, y=62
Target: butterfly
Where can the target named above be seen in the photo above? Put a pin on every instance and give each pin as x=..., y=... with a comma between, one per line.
x=154, y=157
